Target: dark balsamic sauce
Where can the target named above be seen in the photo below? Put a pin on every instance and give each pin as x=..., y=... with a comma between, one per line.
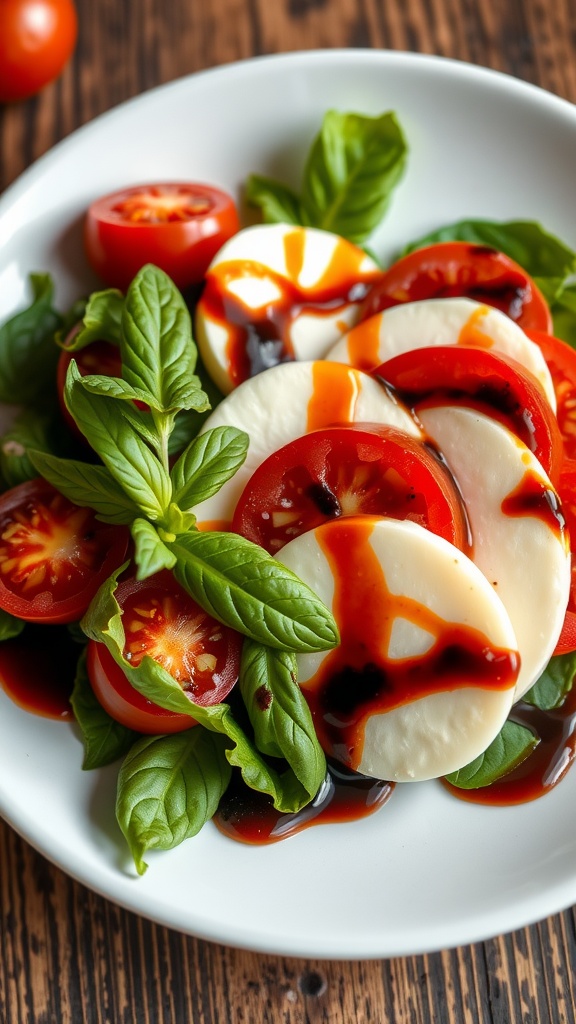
x=249, y=817
x=545, y=767
x=37, y=670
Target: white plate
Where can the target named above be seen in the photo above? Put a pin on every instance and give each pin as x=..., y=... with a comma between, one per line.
x=428, y=871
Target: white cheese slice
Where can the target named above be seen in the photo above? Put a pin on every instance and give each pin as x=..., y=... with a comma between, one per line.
x=524, y=558
x=254, y=267
x=428, y=584
x=430, y=322
x=286, y=402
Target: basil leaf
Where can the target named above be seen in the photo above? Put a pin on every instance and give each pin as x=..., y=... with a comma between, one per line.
x=208, y=462
x=175, y=521
x=513, y=744
x=158, y=354
x=541, y=255
x=10, y=626
x=86, y=485
x=554, y=684
x=113, y=387
x=279, y=713
x=241, y=585
x=124, y=453
x=31, y=430
x=278, y=203
x=28, y=355
x=101, y=321
x=105, y=740
x=354, y=165
x=168, y=788
x=150, y=554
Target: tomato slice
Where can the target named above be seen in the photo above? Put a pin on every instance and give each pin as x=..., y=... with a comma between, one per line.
x=177, y=226
x=567, y=492
x=53, y=554
x=163, y=622
x=490, y=382
x=561, y=360
x=340, y=471
x=450, y=269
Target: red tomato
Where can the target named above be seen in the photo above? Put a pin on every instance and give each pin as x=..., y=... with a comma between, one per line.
x=53, y=555
x=362, y=469
x=561, y=359
x=478, y=377
x=567, y=492
x=100, y=357
x=37, y=38
x=178, y=227
x=163, y=622
x=460, y=268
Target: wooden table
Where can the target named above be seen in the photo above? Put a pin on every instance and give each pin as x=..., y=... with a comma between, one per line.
x=68, y=956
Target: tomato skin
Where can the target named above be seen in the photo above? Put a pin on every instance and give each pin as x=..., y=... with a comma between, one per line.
x=479, y=377
x=349, y=470
x=119, y=240
x=34, y=518
x=462, y=269
x=567, y=492
x=561, y=360
x=37, y=38
x=125, y=704
x=162, y=621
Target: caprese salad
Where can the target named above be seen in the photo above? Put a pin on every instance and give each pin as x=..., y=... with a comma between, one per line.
x=330, y=555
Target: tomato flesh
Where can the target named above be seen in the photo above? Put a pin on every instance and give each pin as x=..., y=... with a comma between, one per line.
x=362, y=469
x=567, y=492
x=53, y=554
x=161, y=621
x=450, y=269
x=177, y=226
x=455, y=374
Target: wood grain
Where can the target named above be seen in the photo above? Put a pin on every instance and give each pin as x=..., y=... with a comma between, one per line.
x=68, y=956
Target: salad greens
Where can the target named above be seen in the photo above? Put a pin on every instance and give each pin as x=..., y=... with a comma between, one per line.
x=153, y=468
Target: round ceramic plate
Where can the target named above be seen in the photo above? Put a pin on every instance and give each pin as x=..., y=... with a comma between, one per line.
x=427, y=871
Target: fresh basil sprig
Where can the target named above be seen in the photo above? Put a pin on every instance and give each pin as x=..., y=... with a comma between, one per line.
x=354, y=164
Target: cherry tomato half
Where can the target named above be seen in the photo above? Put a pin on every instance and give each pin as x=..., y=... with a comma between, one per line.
x=450, y=269
x=561, y=360
x=365, y=469
x=179, y=227
x=163, y=622
x=478, y=377
x=37, y=38
x=53, y=554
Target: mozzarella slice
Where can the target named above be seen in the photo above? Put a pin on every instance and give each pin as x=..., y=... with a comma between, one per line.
x=288, y=401
x=280, y=291
x=523, y=554
x=399, y=594
x=430, y=322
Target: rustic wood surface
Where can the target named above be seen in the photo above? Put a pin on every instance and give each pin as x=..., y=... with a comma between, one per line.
x=68, y=956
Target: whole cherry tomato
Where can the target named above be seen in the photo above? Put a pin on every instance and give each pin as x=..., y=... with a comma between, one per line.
x=37, y=38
